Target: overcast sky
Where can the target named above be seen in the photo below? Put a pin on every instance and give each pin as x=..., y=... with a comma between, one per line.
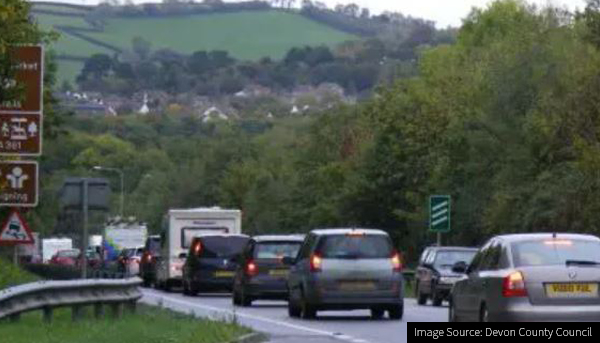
x=443, y=12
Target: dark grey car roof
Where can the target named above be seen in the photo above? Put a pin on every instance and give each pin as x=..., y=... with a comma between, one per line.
x=279, y=238
x=520, y=237
x=436, y=248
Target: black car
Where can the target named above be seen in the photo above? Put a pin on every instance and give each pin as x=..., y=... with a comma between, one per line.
x=261, y=272
x=148, y=264
x=211, y=263
x=434, y=275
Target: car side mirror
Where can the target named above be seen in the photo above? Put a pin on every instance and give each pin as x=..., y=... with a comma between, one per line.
x=183, y=255
x=288, y=261
x=460, y=267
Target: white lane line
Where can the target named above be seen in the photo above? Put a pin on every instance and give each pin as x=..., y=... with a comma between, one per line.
x=252, y=317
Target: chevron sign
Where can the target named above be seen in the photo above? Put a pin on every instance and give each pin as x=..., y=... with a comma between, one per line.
x=439, y=213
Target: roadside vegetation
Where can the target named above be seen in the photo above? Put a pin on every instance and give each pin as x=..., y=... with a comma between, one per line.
x=10, y=275
x=150, y=325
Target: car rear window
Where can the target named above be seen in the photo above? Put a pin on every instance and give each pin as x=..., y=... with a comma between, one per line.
x=554, y=252
x=275, y=250
x=153, y=245
x=188, y=233
x=355, y=246
x=222, y=247
x=447, y=258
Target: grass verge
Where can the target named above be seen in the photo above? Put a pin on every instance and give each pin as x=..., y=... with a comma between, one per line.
x=10, y=275
x=149, y=325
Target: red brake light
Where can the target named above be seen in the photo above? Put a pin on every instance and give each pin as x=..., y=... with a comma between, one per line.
x=514, y=285
x=251, y=269
x=198, y=248
x=397, y=262
x=315, y=263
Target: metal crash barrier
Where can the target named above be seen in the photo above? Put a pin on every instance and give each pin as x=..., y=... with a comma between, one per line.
x=49, y=295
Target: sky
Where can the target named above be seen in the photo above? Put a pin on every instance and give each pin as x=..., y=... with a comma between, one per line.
x=443, y=12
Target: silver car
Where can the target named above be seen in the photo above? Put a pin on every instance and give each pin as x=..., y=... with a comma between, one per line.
x=346, y=269
x=530, y=277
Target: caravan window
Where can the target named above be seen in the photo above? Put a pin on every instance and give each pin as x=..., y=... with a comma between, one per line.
x=188, y=233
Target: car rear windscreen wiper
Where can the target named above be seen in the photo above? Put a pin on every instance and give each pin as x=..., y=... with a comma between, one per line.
x=582, y=263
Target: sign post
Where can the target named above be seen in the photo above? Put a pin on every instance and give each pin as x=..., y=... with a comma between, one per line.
x=21, y=121
x=439, y=215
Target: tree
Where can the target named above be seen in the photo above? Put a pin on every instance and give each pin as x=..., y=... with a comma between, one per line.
x=97, y=66
x=141, y=47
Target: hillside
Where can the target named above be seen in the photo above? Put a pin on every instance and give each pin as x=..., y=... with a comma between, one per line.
x=246, y=35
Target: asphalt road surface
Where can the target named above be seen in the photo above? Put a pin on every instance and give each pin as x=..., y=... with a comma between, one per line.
x=271, y=317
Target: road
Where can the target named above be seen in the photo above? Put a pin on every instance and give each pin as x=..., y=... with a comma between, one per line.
x=271, y=318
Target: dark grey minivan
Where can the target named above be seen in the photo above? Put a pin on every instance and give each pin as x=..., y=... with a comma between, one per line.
x=346, y=269
x=530, y=277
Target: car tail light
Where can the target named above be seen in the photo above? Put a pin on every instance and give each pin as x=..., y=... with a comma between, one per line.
x=316, y=263
x=514, y=285
x=198, y=248
x=397, y=262
x=251, y=269
x=148, y=258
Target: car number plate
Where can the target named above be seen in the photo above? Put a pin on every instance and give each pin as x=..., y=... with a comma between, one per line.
x=357, y=286
x=572, y=290
x=224, y=274
x=280, y=272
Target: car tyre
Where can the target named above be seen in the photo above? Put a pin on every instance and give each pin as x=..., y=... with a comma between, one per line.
x=308, y=311
x=437, y=299
x=377, y=313
x=451, y=312
x=235, y=298
x=421, y=298
x=396, y=312
x=484, y=314
x=294, y=310
x=245, y=300
x=146, y=283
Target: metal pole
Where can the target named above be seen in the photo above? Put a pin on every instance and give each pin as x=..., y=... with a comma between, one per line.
x=16, y=255
x=439, y=239
x=122, y=192
x=84, y=244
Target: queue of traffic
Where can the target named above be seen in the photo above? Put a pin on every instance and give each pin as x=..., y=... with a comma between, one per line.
x=518, y=277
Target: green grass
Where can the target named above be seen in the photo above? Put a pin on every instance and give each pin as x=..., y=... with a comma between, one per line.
x=68, y=71
x=13, y=276
x=150, y=325
x=246, y=35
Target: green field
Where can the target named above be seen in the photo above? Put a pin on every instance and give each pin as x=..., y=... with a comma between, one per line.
x=151, y=325
x=55, y=8
x=248, y=35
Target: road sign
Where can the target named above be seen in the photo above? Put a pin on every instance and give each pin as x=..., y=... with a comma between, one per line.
x=20, y=134
x=19, y=183
x=29, y=73
x=15, y=230
x=439, y=213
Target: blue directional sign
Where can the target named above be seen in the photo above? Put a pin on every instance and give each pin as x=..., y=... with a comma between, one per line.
x=439, y=213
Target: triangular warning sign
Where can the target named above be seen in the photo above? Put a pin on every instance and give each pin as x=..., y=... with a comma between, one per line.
x=15, y=230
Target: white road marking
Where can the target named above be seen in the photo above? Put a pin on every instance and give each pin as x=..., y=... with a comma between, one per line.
x=253, y=317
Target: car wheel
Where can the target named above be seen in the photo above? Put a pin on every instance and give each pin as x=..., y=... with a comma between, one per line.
x=421, y=298
x=294, y=310
x=377, y=313
x=146, y=283
x=308, y=311
x=235, y=298
x=437, y=299
x=186, y=288
x=484, y=314
x=167, y=286
x=451, y=312
x=245, y=300
x=396, y=312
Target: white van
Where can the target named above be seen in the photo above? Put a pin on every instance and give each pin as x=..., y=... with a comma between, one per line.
x=180, y=227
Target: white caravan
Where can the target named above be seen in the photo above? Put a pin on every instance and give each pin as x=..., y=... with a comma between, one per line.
x=180, y=227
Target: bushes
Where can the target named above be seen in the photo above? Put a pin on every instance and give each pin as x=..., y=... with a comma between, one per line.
x=11, y=275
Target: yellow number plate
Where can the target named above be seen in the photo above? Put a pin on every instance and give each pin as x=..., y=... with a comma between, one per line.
x=570, y=290
x=357, y=286
x=224, y=274
x=280, y=272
